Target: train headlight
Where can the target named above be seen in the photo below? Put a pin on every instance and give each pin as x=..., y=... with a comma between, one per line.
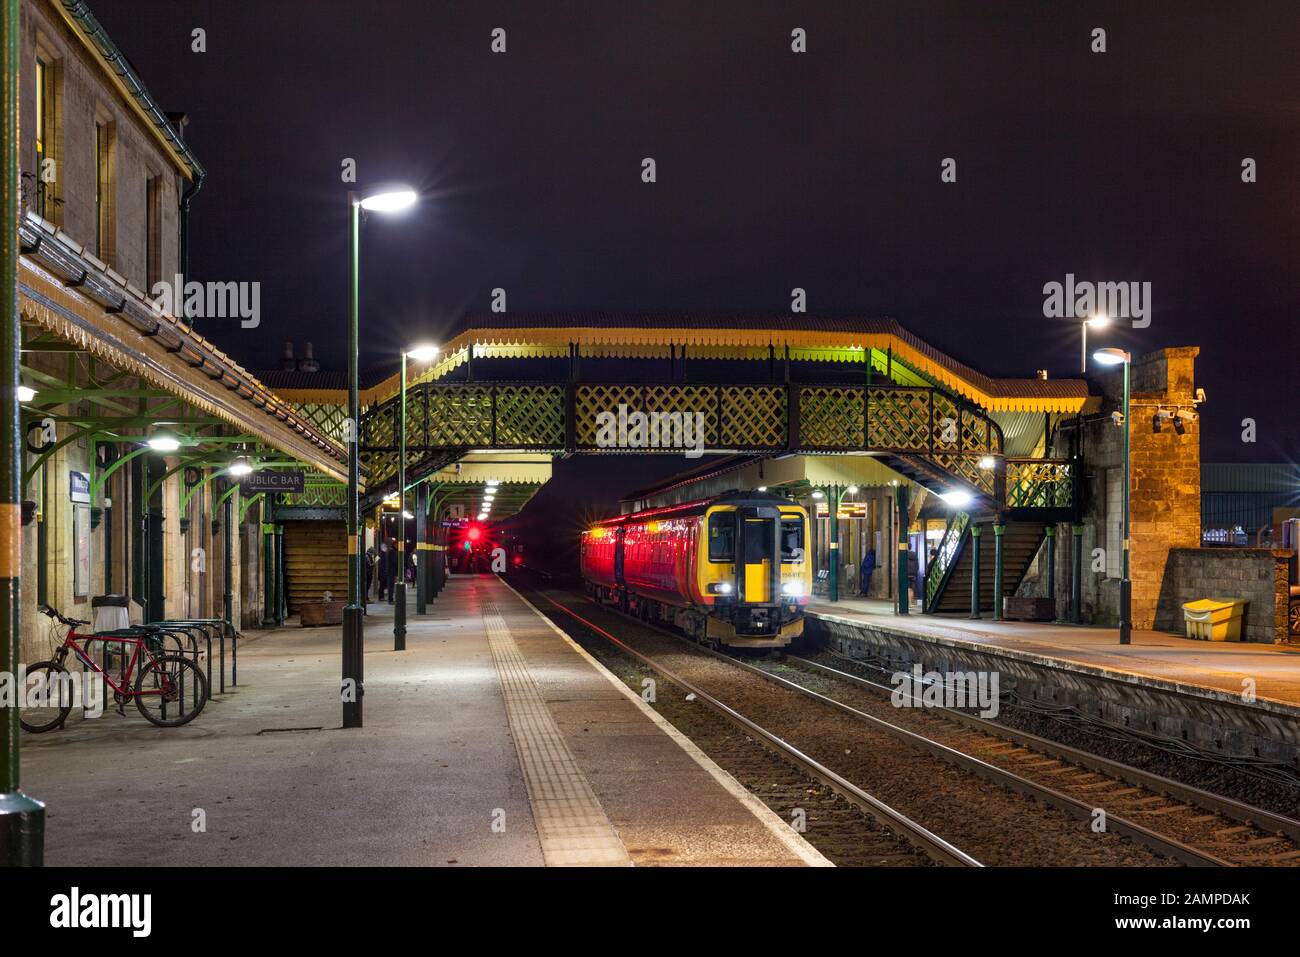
x=793, y=589
x=719, y=588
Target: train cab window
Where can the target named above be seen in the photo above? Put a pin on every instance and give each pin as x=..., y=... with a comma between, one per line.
x=722, y=537
x=791, y=539
x=758, y=540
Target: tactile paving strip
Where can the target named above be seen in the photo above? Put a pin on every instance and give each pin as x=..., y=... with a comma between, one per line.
x=571, y=824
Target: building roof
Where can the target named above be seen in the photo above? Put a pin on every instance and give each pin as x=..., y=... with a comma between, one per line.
x=121, y=75
x=843, y=338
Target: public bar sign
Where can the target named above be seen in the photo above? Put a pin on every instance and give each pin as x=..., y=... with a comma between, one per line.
x=274, y=480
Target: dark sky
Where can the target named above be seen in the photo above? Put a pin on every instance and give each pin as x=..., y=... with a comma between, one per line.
x=775, y=170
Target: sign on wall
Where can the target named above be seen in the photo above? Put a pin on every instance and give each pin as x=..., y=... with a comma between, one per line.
x=79, y=487
x=274, y=480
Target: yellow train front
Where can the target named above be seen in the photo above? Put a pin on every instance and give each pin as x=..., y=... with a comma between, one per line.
x=729, y=570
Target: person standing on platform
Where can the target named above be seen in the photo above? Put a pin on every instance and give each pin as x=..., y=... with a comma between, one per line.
x=913, y=573
x=388, y=570
x=864, y=576
x=370, y=570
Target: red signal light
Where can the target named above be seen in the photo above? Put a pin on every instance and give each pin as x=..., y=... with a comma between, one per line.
x=474, y=533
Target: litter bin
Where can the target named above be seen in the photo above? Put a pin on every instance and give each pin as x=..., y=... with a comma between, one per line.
x=111, y=612
x=1214, y=619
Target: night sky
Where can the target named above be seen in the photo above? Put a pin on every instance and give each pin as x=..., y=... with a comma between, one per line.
x=775, y=170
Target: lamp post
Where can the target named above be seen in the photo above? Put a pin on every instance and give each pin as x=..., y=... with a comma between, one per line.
x=1097, y=322
x=385, y=201
x=1114, y=357
x=419, y=354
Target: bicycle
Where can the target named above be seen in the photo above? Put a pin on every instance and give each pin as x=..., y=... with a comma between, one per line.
x=161, y=682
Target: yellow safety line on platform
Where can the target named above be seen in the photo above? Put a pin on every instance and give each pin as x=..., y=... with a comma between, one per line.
x=571, y=825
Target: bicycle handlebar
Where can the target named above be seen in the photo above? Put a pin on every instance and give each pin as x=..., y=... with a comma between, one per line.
x=52, y=612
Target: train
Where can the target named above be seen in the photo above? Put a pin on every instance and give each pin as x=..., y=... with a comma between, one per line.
x=728, y=570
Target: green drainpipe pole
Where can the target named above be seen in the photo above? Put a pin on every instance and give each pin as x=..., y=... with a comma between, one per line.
x=833, y=519
x=975, y=570
x=399, y=589
x=900, y=500
x=999, y=530
x=22, y=820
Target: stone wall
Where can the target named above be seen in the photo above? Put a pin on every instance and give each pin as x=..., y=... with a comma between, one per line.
x=1258, y=575
x=83, y=97
x=1165, y=500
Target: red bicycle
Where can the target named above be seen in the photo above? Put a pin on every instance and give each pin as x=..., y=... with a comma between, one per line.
x=170, y=690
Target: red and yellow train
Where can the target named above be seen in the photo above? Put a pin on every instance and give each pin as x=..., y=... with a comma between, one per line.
x=728, y=570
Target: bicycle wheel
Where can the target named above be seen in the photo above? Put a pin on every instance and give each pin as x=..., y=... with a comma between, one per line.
x=47, y=697
x=170, y=691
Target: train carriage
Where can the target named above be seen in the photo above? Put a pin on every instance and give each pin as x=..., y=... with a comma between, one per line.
x=729, y=570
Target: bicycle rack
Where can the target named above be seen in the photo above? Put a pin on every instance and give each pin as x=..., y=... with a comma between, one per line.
x=223, y=630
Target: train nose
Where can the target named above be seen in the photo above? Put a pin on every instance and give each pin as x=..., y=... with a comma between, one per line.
x=758, y=572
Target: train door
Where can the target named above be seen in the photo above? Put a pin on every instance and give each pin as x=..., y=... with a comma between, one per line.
x=757, y=569
x=618, y=567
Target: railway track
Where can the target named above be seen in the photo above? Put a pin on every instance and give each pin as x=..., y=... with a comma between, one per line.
x=849, y=826
x=1012, y=821
x=1157, y=812
x=1230, y=830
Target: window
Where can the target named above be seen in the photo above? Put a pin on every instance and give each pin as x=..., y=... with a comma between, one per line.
x=104, y=191
x=153, y=233
x=791, y=539
x=46, y=169
x=758, y=540
x=722, y=537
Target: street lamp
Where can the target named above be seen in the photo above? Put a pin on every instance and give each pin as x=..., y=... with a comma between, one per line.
x=421, y=353
x=1099, y=321
x=1114, y=357
x=378, y=201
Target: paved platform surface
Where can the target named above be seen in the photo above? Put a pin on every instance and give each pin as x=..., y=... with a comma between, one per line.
x=492, y=740
x=1212, y=667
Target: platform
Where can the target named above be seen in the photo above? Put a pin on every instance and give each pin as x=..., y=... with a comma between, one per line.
x=1210, y=690
x=492, y=740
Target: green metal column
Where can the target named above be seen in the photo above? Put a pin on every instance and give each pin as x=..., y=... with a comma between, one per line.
x=351, y=686
x=22, y=820
x=399, y=588
x=833, y=520
x=1076, y=576
x=975, y=531
x=228, y=598
x=281, y=596
x=421, y=548
x=900, y=501
x=268, y=574
x=999, y=530
x=1051, y=568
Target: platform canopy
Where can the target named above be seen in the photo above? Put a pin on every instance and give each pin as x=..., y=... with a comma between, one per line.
x=793, y=474
x=512, y=478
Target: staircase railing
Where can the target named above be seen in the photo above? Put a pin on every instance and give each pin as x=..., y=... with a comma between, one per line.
x=945, y=558
x=1040, y=483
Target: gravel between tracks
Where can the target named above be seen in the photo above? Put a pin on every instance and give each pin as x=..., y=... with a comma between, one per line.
x=997, y=826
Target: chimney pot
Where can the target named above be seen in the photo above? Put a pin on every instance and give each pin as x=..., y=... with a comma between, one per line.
x=308, y=362
x=287, y=362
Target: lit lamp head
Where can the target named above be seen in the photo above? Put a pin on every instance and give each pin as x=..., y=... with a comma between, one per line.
x=26, y=393
x=957, y=498
x=388, y=199
x=240, y=467
x=1098, y=321
x=422, y=353
x=1111, y=357
x=164, y=441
